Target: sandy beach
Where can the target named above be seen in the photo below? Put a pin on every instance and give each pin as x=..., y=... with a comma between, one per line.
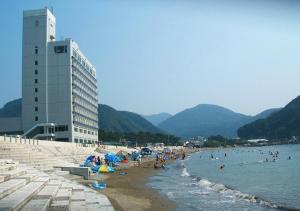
x=129, y=192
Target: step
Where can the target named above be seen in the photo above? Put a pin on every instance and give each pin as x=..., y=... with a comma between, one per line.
x=7, y=167
x=63, y=194
x=20, y=197
x=78, y=196
x=13, y=174
x=10, y=186
x=77, y=206
x=37, y=204
x=61, y=205
x=29, y=177
x=49, y=191
x=5, y=161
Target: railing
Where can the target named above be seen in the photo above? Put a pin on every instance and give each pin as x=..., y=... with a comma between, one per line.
x=20, y=140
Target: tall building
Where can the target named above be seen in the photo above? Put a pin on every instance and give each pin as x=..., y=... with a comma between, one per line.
x=59, y=85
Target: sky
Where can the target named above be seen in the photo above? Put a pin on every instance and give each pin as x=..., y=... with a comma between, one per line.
x=168, y=55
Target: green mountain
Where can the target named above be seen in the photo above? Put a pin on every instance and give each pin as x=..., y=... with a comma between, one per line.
x=12, y=109
x=205, y=120
x=281, y=124
x=123, y=121
x=155, y=119
x=265, y=113
x=110, y=119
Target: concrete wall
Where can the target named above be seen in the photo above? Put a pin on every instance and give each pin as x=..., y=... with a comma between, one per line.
x=10, y=124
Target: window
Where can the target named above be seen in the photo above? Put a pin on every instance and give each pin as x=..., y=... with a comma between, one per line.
x=36, y=108
x=36, y=118
x=61, y=128
x=36, y=72
x=36, y=50
x=84, y=131
x=60, y=49
x=80, y=130
x=76, y=140
x=35, y=81
x=35, y=90
x=36, y=99
x=36, y=23
x=76, y=129
x=36, y=62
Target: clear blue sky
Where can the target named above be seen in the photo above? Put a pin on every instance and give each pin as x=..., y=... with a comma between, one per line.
x=164, y=56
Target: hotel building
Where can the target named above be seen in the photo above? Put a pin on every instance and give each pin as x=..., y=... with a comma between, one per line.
x=59, y=85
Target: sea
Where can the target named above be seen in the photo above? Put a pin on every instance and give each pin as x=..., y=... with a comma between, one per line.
x=252, y=178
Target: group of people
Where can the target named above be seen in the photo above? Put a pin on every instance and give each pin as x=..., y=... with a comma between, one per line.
x=95, y=161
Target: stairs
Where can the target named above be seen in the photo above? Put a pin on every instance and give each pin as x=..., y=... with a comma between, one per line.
x=28, y=189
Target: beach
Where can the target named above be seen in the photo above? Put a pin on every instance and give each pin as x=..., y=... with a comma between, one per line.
x=129, y=191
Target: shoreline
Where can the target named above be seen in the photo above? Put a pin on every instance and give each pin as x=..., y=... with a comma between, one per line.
x=130, y=191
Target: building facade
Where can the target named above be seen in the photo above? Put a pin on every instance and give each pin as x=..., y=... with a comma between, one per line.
x=59, y=85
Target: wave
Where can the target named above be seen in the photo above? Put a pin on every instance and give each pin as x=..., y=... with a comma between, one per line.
x=231, y=193
x=185, y=173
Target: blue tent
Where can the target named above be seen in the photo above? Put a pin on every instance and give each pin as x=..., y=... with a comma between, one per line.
x=112, y=158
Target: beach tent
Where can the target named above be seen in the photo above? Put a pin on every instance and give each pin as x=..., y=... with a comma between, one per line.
x=123, y=155
x=111, y=157
x=103, y=169
x=106, y=169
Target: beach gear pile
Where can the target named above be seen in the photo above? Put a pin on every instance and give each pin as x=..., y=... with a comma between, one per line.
x=102, y=168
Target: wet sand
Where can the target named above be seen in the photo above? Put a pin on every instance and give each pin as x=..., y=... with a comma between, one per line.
x=129, y=191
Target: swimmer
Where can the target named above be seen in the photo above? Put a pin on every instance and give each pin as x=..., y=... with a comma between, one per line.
x=290, y=158
x=222, y=166
x=211, y=156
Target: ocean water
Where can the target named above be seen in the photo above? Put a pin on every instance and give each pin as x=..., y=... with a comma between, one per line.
x=247, y=182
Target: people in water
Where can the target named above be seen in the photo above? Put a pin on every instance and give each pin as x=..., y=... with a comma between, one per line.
x=225, y=154
x=289, y=157
x=183, y=155
x=211, y=156
x=222, y=166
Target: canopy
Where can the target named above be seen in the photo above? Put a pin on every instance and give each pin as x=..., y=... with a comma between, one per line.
x=111, y=157
x=123, y=155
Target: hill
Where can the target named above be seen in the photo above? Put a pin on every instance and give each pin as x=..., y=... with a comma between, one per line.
x=12, y=109
x=205, y=120
x=284, y=123
x=265, y=113
x=123, y=121
x=110, y=119
x=155, y=119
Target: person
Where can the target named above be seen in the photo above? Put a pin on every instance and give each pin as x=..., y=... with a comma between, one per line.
x=211, y=156
x=222, y=166
x=183, y=155
x=98, y=162
x=139, y=159
x=225, y=154
x=267, y=160
x=290, y=157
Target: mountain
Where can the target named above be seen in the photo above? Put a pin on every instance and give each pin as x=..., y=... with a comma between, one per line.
x=123, y=121
x=12, y=109
x=110, y=119
x=284, y=123
x=265, y=113
x=205, y=120
x=155, y=119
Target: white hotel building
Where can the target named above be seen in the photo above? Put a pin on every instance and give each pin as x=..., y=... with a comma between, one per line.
x=59, y=85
